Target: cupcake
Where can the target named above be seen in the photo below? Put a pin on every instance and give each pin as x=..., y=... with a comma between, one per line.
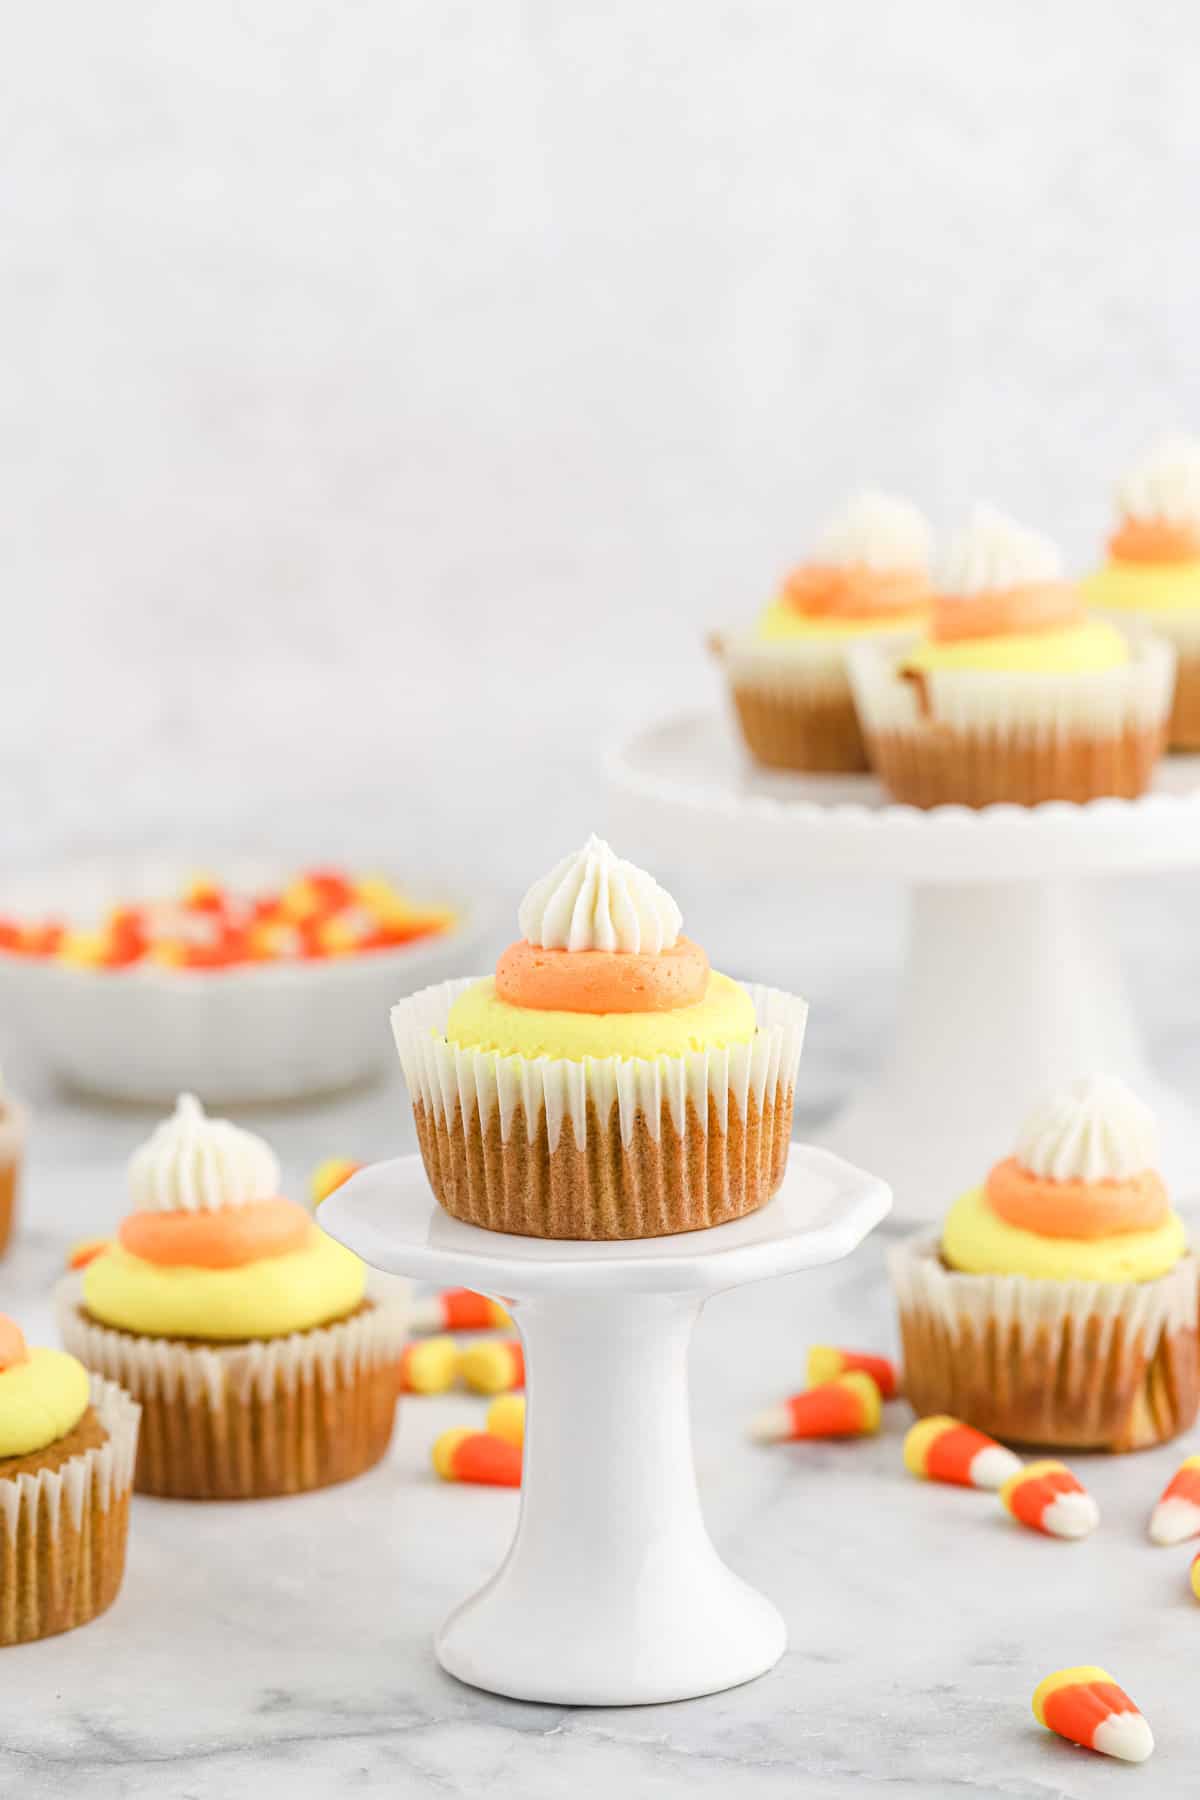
x=867, y=582
x=262, y=1363
x=1153, y=569
x=12, y=1149
x=605, y=1082
x=1015, y=694
x=1060, y=1305
x=68, y=1442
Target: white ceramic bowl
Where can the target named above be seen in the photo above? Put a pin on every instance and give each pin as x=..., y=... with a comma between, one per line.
x=238, y=1036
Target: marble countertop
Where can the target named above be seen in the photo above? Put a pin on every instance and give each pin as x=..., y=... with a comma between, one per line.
x=285, y=1647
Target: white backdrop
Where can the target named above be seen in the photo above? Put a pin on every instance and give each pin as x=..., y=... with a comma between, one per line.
x=392, y=393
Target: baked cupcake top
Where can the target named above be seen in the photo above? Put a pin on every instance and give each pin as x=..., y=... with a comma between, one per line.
x=1003, y=606
x=1154, y=554
x=44, y=1395
x=1081, y=1198
x=869, y=572
x=211, y=1250
x=602, y=969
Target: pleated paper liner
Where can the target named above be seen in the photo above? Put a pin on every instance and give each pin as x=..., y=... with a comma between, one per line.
x=248, y=1421
x=1082, y=1365
x=12, y=1151
x=989, y=737
x=609, y=1148
x=1180, y=626
x=62, y=1549
x=1184, y=732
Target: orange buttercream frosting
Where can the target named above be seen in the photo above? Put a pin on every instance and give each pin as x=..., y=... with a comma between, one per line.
x=855, y=591
x=1155, y=541
x=602, y=981
x=1007, y=612
x=1076, y=1209
x=13, y=1348
x=226, y=1238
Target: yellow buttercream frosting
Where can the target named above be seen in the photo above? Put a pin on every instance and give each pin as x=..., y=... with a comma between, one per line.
x=1085, y=649
x=1145, y=587
x=479, y=1021
x=41, y=1399
x=314, y=1285
x=977, y=1241
x=781, y=623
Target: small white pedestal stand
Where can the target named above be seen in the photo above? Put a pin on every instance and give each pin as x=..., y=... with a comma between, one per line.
x=1010, y=984
x=612, y=1593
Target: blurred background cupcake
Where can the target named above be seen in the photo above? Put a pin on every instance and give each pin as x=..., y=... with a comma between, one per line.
x=1153, y=568
x=868, y=579
x=605, y=1082
x=1059, y=1305
x=12, y=1153
x=68, y=1443
x=1015, y=694
x=262, y=1363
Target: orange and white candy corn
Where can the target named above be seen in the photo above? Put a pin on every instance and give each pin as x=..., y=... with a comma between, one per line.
x=1047, y=1497
x=478, y=1456
x=329, y=1176
x=506, y=1418
x=826, y=1363
x=1086, y=1707
x=1177, y=1515
x=458, y=1309
x=848, y=1406
x=943, y=1449
x=494, y=1367
x=428, y=1366
x=86, y=1250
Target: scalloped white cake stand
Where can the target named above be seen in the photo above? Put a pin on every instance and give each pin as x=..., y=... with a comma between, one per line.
x=611, y=1593
x=1010, y=984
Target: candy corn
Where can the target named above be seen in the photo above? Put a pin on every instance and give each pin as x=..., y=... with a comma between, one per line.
x=1194, y=1574
x=825, y=1363
x=464, y=1455
x=506, y=1418
x=1046, y=1497
x=943, y=1449
x=428, y=1366
x=458, y=1309
x=493, y=1367
x=848, y=1406
x=1086, y=1707
x=1177, y=1515
x=86, y=1250
x=329, y=1175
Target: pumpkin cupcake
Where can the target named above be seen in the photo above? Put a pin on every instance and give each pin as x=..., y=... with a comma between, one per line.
x=1060, y=1305
x=262, y=1363
x=68, y=1442
x=1153, y=569
x=12, y=1152
x=867, y=581
x=605, y=1082
x=1015, y=694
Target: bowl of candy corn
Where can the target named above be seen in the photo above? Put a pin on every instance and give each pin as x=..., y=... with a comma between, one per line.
x=137, y=979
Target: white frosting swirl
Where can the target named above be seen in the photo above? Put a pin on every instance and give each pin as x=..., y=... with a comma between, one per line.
x=993, y=553
x=192, y=1163
x=594, y=901
x=1165, y=484
x=1095, y=1130
x=878, y=532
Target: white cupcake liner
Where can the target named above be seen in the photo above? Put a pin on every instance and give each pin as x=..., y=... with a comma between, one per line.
x=795, y=668
x=550, y=1092
x=102, y=1474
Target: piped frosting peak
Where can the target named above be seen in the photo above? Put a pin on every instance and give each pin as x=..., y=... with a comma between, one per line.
x=1165, y=485
x=994, y=554
x=877, y=531
x=1095, y=1130
x=192, y=1163
x=592, y=900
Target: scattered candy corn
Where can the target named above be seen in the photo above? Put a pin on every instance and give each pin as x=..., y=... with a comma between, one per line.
x=1177, y=1515
x=943, y=1449
x=458, y=1309
x=1047, y=1497
x=428, y=1366
x=825, y=1363
x=330, y=1175
x=848, y=1406
x=86, y=1250
x=464, y=1455
x=1194, y=1574
x=493, y=1367
x=506, y=1418
x=1086, y=1707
